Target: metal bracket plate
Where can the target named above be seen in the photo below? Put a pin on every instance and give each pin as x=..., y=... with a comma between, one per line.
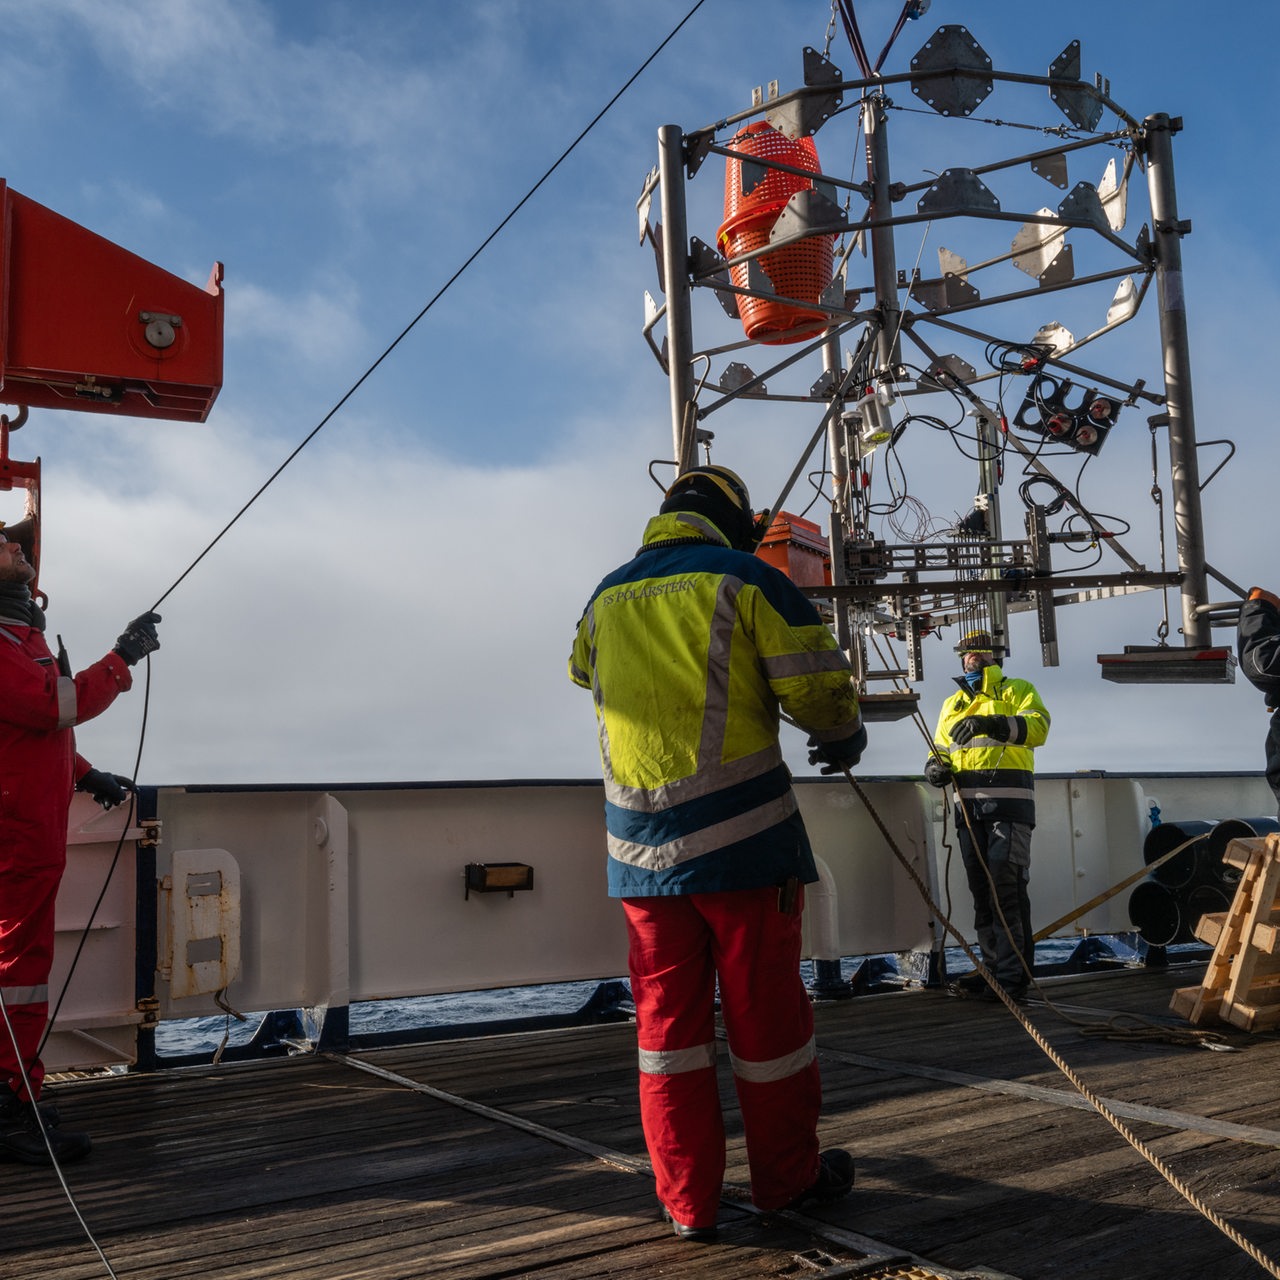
x=1079, y=103
x=951, y=49
x=804, y=116
x=958, y=191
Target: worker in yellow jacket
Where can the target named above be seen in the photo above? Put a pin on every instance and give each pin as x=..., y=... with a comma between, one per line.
x=984, y=743
x=690, y=650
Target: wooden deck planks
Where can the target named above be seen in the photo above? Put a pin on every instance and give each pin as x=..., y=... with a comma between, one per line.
x=314, y=1170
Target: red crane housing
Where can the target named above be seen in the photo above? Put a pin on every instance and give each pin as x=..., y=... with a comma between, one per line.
x=87, y=325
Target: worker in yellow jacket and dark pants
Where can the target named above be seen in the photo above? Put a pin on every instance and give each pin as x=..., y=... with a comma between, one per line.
x=691, y=649
x=984, y=742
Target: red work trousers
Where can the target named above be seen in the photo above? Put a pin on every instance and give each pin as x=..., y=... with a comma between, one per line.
x=679, y=948
x=27, y=897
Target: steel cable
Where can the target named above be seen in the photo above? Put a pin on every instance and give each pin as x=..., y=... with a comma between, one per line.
x=338, y=405
x=53, y=1159
x=404, y=333
x=334, y=410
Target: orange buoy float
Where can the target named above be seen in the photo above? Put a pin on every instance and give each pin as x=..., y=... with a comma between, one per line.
x=755, y=194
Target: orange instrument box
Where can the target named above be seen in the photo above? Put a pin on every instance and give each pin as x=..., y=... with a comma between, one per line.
x=798, y=547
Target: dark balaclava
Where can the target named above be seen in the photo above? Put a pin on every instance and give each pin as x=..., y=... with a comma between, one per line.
x=717, y=494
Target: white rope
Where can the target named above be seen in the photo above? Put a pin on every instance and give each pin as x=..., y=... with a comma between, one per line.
x=44, y=1133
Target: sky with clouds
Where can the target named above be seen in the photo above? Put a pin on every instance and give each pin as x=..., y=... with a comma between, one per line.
x=399, y=603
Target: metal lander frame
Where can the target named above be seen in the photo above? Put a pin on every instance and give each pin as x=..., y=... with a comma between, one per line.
x=898, y=322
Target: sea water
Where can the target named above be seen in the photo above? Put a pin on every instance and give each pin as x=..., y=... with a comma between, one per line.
x=381, y=1017
x=190, y=1036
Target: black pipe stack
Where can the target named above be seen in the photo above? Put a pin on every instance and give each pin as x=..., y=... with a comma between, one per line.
x=1166, y=907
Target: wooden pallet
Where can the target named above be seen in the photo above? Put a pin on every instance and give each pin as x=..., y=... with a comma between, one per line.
x=1242, y=982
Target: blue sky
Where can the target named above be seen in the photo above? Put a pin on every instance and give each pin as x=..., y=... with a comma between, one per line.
x=400, y=602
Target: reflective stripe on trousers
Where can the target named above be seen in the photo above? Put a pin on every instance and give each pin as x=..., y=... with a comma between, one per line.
x=679, y=948
x=14, y=996
x=26, y=956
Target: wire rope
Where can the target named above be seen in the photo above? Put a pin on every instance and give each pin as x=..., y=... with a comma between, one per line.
x=343, y=400
x=1098, y=1104
x=40, y=1124
x=907, y=7
x=850, y=20
x=444, y=288
x=266, y=484
x=52, y=1018
x=115, y=858
x=1156, y=1162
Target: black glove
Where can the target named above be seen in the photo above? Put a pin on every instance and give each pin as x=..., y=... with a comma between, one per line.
x=836, y=757
x=139, y=638
x=108, y=789
x=937, y=773
x=996, y=727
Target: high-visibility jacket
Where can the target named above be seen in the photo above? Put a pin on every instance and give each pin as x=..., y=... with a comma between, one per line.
x=689, y=650
x=995, y=780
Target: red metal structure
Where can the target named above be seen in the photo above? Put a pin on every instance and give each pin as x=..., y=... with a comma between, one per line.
x=87, y=326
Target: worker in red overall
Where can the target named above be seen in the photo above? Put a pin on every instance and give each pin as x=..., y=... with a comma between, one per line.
x=39, y=704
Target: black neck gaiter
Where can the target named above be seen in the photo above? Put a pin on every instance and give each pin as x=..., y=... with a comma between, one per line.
x=16, y=605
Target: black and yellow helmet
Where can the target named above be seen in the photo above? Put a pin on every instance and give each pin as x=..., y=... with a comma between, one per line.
x=720, y=496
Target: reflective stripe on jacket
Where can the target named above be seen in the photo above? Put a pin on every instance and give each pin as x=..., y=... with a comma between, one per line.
x=995, y=779
x=689, y=650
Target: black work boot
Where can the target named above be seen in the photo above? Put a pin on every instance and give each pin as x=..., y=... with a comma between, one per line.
x=698, y=1235
x=971, y=983
x=835, y=1179
x=11, y=1107
x=24, y=1138
x=1017, y=992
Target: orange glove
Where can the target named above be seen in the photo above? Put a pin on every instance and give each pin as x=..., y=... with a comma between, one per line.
x=1260, y=593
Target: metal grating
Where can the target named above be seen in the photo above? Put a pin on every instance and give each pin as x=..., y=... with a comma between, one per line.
x=917, y=1271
